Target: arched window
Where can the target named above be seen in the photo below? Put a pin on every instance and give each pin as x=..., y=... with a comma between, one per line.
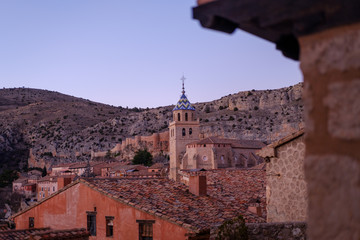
x=186, y=116
x=178, y=116
x=183, y=132
x=190, y=131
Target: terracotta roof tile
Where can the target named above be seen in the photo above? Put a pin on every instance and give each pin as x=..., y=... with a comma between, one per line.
x=167, y=199
x=19, y=234
x=60, y=234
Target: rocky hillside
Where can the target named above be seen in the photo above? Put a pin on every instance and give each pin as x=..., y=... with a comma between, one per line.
x=49, y=127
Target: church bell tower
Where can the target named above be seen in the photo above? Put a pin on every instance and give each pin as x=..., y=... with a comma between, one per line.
x=183, y=130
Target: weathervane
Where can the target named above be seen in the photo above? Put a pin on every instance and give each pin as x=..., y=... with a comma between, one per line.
x=183, y=80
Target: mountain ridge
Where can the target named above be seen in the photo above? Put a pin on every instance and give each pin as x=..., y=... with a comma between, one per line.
x=46, y=127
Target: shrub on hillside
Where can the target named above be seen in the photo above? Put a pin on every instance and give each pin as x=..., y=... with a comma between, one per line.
x=142, y=157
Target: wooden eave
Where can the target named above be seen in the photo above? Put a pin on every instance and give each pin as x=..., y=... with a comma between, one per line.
x=280, y=21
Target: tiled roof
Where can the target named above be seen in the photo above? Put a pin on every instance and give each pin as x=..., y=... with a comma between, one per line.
x=43, y=234
x=84, y=164
x=60, y=234
x=183, y=104
x=4, y=226
x=157, y=166
x=21, y=180
x=269, y=150
x=112, y=164
x=48, y=179
x=172, y=201
x=237, y=186
x=239, y=143
x=19, y=234
x=128, y=167
x=229, y=193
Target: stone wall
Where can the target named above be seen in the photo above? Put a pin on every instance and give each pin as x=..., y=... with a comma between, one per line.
x=330, y=62
x=277, y=231
x=213, y=156
x=156, y=143
x=286, y=191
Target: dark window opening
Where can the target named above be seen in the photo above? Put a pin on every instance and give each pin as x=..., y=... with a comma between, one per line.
x=178, y=116
x=186, y=116
x=109, y=226
x=31, y=222
x=91, y=223
x=145, y=229
x=183, y=132
x=190, y=131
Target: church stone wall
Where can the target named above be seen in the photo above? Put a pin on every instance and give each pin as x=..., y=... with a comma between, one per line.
x=286, y=191
x=213, y=157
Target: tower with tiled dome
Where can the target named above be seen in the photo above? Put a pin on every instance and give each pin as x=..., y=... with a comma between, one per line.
x=183, y=129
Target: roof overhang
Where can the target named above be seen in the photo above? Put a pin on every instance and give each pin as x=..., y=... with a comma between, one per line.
x=280, y=21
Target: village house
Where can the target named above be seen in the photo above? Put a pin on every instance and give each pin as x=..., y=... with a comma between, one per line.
x=77, y=168
x=30, y=190
x=44, y=234
x=286, y=190
x=124, y=170
x=48, y=185
x=143, y=208
x=107, y=167
x=18, y=185
x=61, y=169
x=26, y=184
x=157, y=167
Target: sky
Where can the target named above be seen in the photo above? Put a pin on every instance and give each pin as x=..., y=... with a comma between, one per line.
x=132, y=53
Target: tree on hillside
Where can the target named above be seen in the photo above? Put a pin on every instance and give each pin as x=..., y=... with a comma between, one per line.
x=44, y=172
x=142, y=157
x=7, y=177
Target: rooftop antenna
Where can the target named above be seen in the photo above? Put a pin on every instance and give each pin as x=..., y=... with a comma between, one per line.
x=183, y=81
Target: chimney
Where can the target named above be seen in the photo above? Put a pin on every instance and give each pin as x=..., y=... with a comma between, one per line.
x=256, y=210
x=63, y=181
x=197, y=185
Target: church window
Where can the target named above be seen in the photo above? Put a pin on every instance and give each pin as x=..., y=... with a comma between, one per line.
x=222, y=159
x=190, y=131
x=205, y=158
x=186, y=116
x=204, y=145
x=178, y=116
x=183, y=132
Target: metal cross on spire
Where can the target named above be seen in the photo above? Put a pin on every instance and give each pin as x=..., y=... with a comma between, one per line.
x=183, y=81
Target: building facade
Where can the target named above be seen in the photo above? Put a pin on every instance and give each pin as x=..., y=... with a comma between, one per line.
x=215, y=153
x=286, y=189
x=141, y=208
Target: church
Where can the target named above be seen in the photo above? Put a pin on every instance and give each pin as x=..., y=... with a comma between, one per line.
x=188, y=151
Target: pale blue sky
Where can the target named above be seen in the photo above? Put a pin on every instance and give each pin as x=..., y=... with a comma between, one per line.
x=131, y=53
